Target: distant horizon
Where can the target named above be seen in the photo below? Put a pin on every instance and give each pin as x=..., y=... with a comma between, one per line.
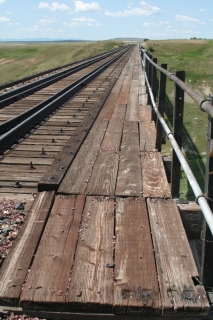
x=99, y=20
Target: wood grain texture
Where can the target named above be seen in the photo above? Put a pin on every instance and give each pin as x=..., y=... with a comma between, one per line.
x=136, y=287
x=18, y=261
x=113, y=134
x=91, y=286
x=129, y=181
x=77, y=177
x=47, y=282
x=145, y=113
x=147, y=136
x=153, y=176
x=132, y=106
x=104, y=174
x=175, y=265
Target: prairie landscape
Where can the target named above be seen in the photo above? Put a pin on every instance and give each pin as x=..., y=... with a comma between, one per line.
x=195, y=57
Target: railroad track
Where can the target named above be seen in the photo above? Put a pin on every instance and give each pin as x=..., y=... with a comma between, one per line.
x=36, y=128
x=16, y=84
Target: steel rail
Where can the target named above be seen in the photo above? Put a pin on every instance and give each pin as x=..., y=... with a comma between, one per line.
x=21, y=92
x=204, y=104
x=5, y=126
x=28, y=123
x=13, y=83
x=200, y=197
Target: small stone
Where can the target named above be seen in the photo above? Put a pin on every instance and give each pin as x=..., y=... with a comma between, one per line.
x=110, y=265
x=19, y=206
x=18, y=220
x=13, y=235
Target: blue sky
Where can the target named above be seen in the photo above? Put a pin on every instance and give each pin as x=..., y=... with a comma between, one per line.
x=106, y=19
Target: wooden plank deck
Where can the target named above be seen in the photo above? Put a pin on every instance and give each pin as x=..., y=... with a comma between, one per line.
x=114, y=242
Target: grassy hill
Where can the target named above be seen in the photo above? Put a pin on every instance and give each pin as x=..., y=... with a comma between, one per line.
x=195, y=57
x=19, y=59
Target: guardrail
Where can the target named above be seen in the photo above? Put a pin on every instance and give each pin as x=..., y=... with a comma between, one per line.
x=150, y=66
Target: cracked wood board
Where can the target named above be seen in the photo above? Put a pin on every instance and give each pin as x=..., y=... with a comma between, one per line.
x=18, y=261
x=129, y=180
x=155, y=184
x=49, y=276
x=175, y=264
x=91, y=286
x=136, y=289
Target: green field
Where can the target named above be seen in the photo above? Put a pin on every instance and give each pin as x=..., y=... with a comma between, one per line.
x=195, y=57
x=17, y=60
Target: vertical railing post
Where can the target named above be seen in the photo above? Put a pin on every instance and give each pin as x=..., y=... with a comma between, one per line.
x=150, y=79
x=144, y=59
x=207, y=244
x=161, y=105
x=177, y=131
x=154, y=89
x=154, y=79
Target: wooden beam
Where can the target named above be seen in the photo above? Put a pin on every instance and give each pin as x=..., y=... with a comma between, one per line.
x=177, y=131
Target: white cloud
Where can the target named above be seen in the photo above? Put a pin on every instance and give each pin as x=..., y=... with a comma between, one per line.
x=185, y=18
x=2, y=1
x=202, y=10
x=82, y=21
x=146, y=10
x=4, y=19
x=81, y=6
x=155, y=24
x=55, y=6
x=9, y=12
x=46, y=21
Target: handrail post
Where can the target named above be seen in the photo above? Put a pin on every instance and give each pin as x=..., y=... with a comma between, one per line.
x=154, y=89
x=177, y=131
x=161, y=104
x=207, y=244
x=150, y=81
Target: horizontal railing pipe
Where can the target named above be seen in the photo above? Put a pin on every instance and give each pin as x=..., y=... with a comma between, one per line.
x=204, y=104
x=200, y=197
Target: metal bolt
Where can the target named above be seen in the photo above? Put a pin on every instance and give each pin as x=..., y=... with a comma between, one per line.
x=61, y=130
x=31, y=166
x=79, y=109
x=73, y=115
x=42, y=151
x=53, y=140
x=17, y=185
x=68, y=122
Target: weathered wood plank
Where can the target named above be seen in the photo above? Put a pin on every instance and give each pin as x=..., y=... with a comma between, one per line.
x=77, y=177
x=104, y=173
x=47, y=282
x=145, y=113
x=129, y=180
x=192, y=218
x=147, y=136
x=175, y=265
x=136, y=288
x=91, y=286
x=112, y=138
x=132, y=106
x=153, y=176
x=18, y=261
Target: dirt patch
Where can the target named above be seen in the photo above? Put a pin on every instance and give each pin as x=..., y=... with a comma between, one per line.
x=4, y=61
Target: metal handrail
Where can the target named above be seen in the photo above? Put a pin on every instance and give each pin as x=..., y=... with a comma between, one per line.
x=204, y=104
x=200, y=197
